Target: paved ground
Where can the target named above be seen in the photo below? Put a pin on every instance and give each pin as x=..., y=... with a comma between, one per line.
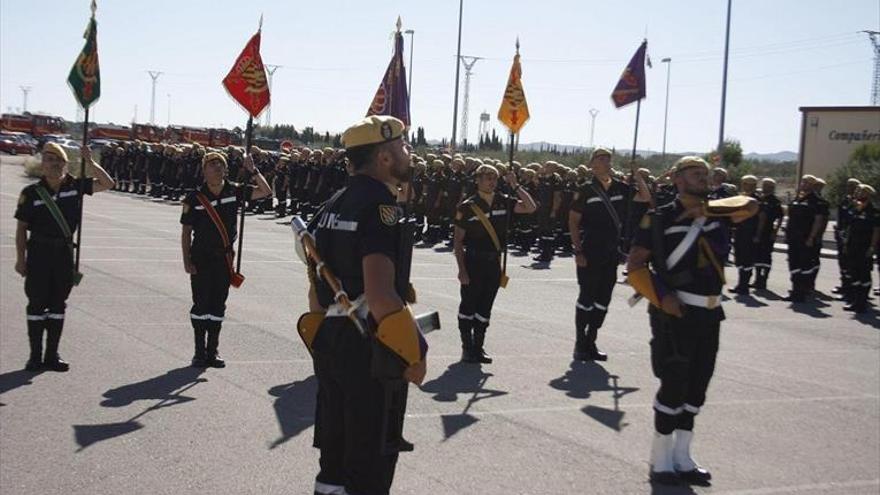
x=794, y=406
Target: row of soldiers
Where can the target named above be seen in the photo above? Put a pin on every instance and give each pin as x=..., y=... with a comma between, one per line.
x=305, y=178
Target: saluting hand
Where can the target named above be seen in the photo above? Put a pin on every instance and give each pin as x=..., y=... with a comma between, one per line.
x=510, y=178
x=249, y=164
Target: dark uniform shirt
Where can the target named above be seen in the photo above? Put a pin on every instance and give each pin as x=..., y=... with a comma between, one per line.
x=206, y=238
x=600, y=231
x=771, y=207
x=360, y=221
x=861, y=225
x=801, y=213
x=704, y=277
x=476, y=238
x=35, y=213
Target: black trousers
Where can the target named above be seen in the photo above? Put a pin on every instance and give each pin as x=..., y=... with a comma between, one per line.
x=596, y=283
x=683, y=352
x=353, y=426
x=858, y=267
x=744, y=256
x=210, y=289
x=478, y=297
x=800, y=266
x=764, y=257
x=49, y=279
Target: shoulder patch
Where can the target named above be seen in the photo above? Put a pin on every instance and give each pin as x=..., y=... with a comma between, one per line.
x=389, y=215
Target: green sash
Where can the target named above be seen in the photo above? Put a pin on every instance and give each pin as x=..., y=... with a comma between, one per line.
x=62, y=224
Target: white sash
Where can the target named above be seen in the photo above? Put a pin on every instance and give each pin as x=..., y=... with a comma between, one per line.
x=678, y=253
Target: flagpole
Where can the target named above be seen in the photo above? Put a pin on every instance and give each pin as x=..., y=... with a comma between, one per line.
x=509, y=209
x=627, y=228
x=82, y=176
x=248, y=136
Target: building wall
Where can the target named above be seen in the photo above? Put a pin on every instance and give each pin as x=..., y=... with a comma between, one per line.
x=830, y=135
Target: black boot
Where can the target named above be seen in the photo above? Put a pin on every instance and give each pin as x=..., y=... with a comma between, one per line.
x=594, y=353
x=212, y=356
x=581, y=350
x=35, y=338
x=478, y=353
x=199, y=359
x=742, y=288
x=52, y=361
x=761, y=278
x=465, y=328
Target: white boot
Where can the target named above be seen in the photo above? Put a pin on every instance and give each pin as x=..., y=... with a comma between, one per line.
x=684, y=464
x=662, y=467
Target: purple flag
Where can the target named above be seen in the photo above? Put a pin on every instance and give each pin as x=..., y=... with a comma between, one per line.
x=391, y=97
x=631, y=86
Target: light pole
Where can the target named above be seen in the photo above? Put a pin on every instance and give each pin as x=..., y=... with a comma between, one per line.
x=457, y=70
x=412, y=35
x=593, y=113
x=668, y=62
x=724, y=79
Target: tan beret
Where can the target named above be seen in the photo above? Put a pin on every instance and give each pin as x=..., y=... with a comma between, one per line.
x=55, y=149
x=599, y=151
x=212, y=156
x=686, y=162
x=375, y=129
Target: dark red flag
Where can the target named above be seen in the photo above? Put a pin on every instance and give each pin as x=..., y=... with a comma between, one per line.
x=391, y=98
x=246, y=81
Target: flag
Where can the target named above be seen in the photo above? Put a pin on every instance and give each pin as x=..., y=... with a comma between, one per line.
x=514, y=111
x=631, y=86
x=391, y=98
x=246, y=82
x=85, y=77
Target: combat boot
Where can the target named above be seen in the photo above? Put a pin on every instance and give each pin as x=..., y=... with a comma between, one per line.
x=35, y=338
x=686, y=467
x=581, y=349
x=594, y=354
x=199, y=359
x=662, y=467
x=467, y=344
x=52, y=361
x=478, y=354
x=212, y=355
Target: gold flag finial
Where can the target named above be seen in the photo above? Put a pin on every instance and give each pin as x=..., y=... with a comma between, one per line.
x=517, y=45
x=399, y=24
x=94, y=7
x=260, y=26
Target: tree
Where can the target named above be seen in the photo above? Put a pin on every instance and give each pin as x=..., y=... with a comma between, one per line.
x=863, y=164
x=731, y=153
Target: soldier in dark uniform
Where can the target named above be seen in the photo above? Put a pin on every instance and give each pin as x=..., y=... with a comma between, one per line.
x=548, y=198
x=280, y=185
x=802, y=232
x=478, y=251
x=596, y=226
x=123, y=165
x=45, y=257
x=684, y=247
x=435, y=181
x=154, y=169
x=207, y=257
x=357, y=423
x=139, y=168
x=745, y=241
x=844, y=213
x=823, y=209
x=770, y=218
x=861, y=241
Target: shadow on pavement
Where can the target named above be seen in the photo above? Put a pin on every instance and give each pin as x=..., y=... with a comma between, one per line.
x=14, y=379
x=658, y=489
x=809, y=309
x=870, y=317
x=768, y=294
x=749, y=301
x=582, y=379
x=294, y=407
x=167, y=389
x=460, y=378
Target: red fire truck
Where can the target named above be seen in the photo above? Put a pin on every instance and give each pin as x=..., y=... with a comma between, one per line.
x=37, y=125
x=110, y=131
x=148, y=133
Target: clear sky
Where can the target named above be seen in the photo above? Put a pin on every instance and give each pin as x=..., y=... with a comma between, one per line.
x=784, y=54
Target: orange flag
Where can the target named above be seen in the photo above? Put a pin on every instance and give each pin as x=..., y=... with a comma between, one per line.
x=514, y=111
x=246, y=81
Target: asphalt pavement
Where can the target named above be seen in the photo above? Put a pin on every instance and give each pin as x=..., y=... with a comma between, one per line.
x=794, y=406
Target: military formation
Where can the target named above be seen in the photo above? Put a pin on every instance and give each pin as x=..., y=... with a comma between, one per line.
x=363, y=207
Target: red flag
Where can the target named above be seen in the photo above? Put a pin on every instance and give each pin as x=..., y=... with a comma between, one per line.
x=246, y=81
x=631, y=86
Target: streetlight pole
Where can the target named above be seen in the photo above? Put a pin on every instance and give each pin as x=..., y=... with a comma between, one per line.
x=668, y=62
x=724, y=80
x=457, y=70
x=270, y=69
x=412, y=35
x=593, y=113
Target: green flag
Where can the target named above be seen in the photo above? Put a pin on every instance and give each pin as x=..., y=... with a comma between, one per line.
x=85, y=77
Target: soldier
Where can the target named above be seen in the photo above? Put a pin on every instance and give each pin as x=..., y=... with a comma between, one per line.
x=684, y=291
x=805, y=221
x=862, y=239
x=280, y=185
x=49, y=209
x=844, y=213
x=548, y=199
x=770, y=218
x=596, y=226
x=745, y=241
x=208, y=233
x=823, y=208
x=357, y=423
x=719, y=188
x=479, y=240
